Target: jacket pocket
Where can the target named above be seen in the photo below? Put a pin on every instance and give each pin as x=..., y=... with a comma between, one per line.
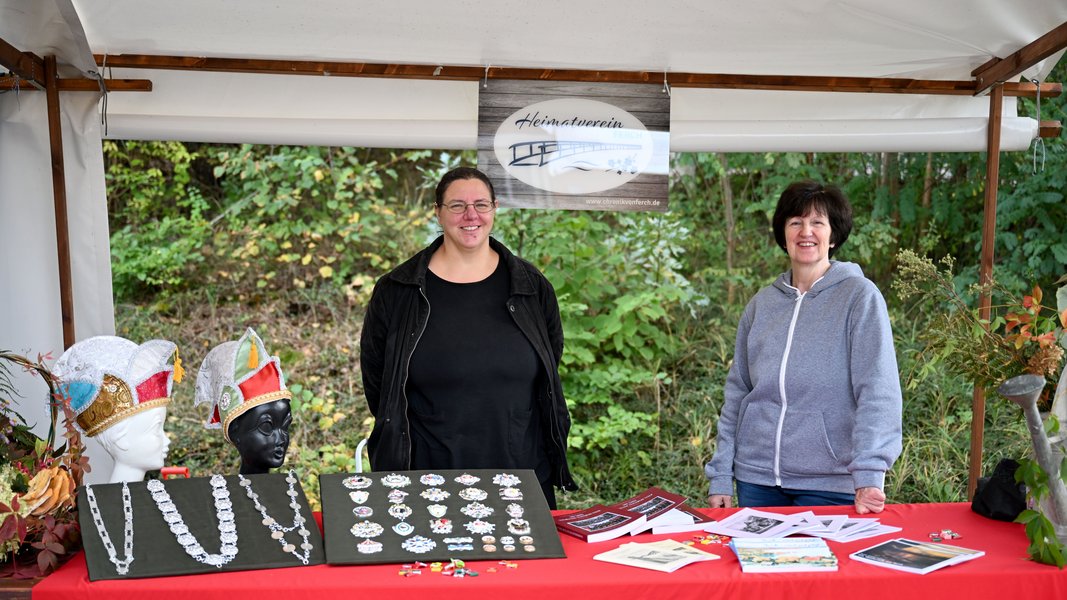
x=806, y=448
x=754, y=441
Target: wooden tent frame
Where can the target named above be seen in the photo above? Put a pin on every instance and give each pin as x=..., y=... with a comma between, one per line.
x=35, y=73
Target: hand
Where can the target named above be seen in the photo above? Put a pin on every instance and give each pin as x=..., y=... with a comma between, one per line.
x=720, y=501
x=869, y=500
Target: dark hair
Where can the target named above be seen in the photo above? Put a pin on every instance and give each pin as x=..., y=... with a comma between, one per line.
x=461, y=173
x=803, y=197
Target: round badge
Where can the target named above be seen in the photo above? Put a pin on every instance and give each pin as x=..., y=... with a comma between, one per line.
x=363, y=511
x=403, y=528
x=360, y=496
x=418, y=544
x=467, y=479
x=369, y=547
x=525, y=540
x=356, y=482
x=509, y=548
x=489, y=547
x=506, y=480
x=431, y=479
x=529, y=548
x=400, y=511
x=367, y=529
x=437, y=510
x=394, y=481
x=443, y=526
x=473, y=494
x=435, y=494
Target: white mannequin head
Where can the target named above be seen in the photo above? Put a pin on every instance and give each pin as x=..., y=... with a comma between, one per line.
x=137, y=444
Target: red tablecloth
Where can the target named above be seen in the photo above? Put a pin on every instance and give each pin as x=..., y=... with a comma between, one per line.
x=1003, y=573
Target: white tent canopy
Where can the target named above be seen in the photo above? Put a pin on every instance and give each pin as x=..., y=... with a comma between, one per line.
x=945, y=40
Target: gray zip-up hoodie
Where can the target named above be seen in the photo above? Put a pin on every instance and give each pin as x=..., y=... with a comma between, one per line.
x=812, y=401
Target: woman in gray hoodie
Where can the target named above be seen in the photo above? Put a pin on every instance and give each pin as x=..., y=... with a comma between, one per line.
x=812, y=411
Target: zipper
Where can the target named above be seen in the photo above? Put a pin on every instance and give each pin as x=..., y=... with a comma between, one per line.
x=407, y=372
x=781, y=391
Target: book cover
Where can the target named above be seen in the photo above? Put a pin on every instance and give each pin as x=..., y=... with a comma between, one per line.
x=599, y=523
x=658, y=507
x=696, y=521
x=780, y=555
x=665, y=555
x=914, y=557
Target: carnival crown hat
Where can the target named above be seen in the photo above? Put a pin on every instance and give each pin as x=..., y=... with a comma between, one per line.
x=109, y=378
x=237, y=376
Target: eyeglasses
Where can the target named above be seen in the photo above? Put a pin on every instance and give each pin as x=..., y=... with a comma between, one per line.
x=481, y=206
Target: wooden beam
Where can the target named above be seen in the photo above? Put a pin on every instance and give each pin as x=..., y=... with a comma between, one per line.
x=1029, y=55
x=1049, y=129
x=880, y=85
x=985, y=272
x=59, y=195
x=26, y=65
x=84, y=85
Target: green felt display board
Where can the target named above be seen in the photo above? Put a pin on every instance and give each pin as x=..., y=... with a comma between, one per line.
x=342, y=546
x=156, y=551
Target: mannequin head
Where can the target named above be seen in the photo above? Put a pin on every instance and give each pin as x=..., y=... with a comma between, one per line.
x=261, y=435
x=137, y=444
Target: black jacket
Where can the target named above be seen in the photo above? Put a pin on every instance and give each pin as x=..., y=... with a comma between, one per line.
x=396, y=318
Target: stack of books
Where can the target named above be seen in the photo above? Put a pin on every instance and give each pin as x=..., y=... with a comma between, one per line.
x=779, y=555
x=654, y=510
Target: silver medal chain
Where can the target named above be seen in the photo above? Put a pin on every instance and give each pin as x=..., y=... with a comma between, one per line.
x=122, y=567
x=223, y=511
x=277, y=530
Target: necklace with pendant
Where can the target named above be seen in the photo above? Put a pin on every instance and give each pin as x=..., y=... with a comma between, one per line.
x=122, y=567
x=223, y=511
x=277, y=531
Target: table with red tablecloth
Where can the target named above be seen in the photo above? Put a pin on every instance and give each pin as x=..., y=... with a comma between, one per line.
x=1003, y=573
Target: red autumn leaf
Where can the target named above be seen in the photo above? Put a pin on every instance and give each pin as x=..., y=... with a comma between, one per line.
x=46, y=561
x=8, y=528
x=1063, y=318
x=1037, y=294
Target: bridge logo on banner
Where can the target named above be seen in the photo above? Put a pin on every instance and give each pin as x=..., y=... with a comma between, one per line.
x=574, y=145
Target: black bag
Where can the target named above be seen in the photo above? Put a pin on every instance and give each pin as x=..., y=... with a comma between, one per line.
x=998, y=496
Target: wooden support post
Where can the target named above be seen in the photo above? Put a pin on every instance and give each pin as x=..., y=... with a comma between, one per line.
x=985, y=274
x=59, y=195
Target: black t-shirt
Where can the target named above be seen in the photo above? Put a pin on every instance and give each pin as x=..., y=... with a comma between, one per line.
x=472, y=382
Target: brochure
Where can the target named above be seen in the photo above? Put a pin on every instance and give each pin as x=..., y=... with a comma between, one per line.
x=779, y=555
x=915, y=557
x=665, y=555
x=752, y=523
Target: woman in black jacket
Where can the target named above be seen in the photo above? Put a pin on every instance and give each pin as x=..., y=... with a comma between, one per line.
x=460, y=352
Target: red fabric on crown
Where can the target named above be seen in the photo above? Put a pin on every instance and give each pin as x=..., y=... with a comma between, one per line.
x=154, y=387
x=265, y=381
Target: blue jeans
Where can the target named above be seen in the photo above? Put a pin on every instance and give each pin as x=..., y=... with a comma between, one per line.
x=751, y=494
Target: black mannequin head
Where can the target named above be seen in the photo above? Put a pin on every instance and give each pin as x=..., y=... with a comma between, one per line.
x=261, y=436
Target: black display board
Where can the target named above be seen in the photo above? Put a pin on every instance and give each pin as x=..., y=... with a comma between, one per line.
x=156, y=550
x=532, y=535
